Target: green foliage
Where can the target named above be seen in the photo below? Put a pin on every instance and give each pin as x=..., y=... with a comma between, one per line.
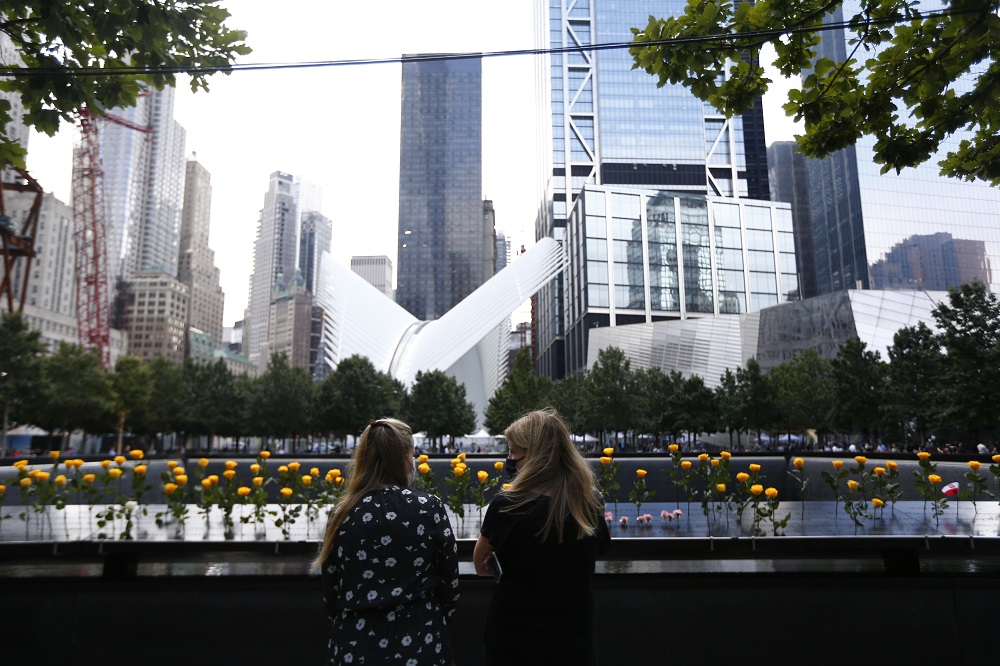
x=132, y=384
x=354, y=393
x=897, y=85
x=522, y=391
x=282, y=399
x=858, y=387
x=78, y=391
x=609, y=391
x=59, y=38
x=21, y=350
x=437, y=406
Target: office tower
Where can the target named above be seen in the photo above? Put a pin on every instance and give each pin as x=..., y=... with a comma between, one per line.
x=502, y=250
x=16, y=129
x=52, y=285
x=143, y=187
x=377, y=271
x=273, y=255
x=196, y=263
x=489, y=239
x=156, y=310
x=609, y=125
x=873, y=230
x=290, y=321
x=788, y=175
x=315, y=233
x=442, y=254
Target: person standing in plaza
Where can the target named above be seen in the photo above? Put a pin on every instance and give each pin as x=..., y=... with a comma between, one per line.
x=388, y=560
x=546, y=531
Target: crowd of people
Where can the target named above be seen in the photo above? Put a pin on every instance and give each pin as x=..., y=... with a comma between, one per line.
x=389, y=562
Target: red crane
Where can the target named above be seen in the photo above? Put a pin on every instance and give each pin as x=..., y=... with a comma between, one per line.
x=92, y=298
x=17, y=243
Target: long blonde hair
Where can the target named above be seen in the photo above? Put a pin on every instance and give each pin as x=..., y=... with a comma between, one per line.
x=552, y=466
x=379, y=460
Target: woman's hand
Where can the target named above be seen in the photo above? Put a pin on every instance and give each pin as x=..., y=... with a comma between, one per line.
x=481, y=556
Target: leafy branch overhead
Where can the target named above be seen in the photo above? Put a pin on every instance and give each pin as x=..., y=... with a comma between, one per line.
x=913, y=77
x=70, y=51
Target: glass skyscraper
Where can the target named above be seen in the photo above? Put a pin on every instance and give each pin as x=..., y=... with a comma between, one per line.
x=445, y=251
x=610, y=125
x=914, y=230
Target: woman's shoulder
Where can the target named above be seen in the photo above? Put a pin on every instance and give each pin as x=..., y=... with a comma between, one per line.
x=418, y=497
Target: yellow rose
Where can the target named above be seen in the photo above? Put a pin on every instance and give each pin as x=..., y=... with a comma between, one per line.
x=181, y=479
x=853, y=485
x=685, y=464
x=136, y=454
x=115, y=472
x=799, y=463
x=742, y=477
x=229, y=473
x=861, y=460
x=891, y=464
x=213, y=479
x=339, y=480
x=230, y=464
x=171, y=464
x=139, y=470
x=335, y=472
x=89, y=478
x=282, y=469
x=714, y=462
x=996, y=458
x=974, y=465
x=605, y=460
x=422, y=458
x=314, y=472
x=178, y=471
x=206, y=484
x=60, y=480
x=120, y=460
x=265, y=454
x=877, y=503
x=242, y=491
x=424, y=468
x=837, y=464
x=33, y=473
x=328, y=478
x=756, y=489
x=306, y=480
x=459, y=471
x=3, y=489
x=255, y=469
x=506, y=486
x=673, y=448
x=203, y=462
x=754, y=467
x=54, y=455
x=462, y=466
x=721, y=487
x=771, y=493
x=703, y=457
x=923, y=455
x=20, y=465
x=258, y=481
x=482, y=476
x=726, y=455
x=286, y=492
x=641, y=473
x=42, y=476
x=170, y=488
x=293, y=466
x=609, y=451
x=461, y=456
x=498, y=465
x=455, y=461
x=105, y=464
x=25, y=482
x=934, y=478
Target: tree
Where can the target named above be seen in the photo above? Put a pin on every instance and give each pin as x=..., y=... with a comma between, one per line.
x=522, y=391
x=731, y=412
x=693, y=407
x=858, y=388
x=437, y=406
x=132, y=388
x=898, y=84
x=21, y=350
x=101, y=54
x=913, y=380
x=609, y=394
x=283, y=399
x=653, y=390
x=166, y=412
x=568, y=397
x=79, y=392
x=354, y=393
x=802, y=391
x=755, y=395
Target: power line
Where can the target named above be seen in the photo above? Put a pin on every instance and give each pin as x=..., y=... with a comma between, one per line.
x=28, y=72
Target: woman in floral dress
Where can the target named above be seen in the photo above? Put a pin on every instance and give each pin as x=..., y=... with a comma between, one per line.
x=388, y=560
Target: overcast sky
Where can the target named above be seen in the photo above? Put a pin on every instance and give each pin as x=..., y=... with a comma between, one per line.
x=339, y=127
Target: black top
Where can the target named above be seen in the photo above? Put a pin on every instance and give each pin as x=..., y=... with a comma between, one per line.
x=544, y=597
x=391, y=581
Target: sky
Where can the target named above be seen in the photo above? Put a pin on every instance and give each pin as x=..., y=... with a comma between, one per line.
x=338, y=127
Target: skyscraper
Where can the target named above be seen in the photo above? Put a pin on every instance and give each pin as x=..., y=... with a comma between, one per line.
x=273, y=255
x=442, y=255
x=196, y=262
x=144, y=187
x=315, y=233
x=610, y=125
x=16, y=129
x=377, y=271
x=889, y=231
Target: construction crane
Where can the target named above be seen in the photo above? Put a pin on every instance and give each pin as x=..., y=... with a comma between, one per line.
x=18, y=243
x=91, y=266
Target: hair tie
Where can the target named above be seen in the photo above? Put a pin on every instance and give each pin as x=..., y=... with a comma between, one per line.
x=371, y=422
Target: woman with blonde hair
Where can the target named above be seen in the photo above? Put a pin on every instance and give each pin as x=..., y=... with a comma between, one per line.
x=546, y=531
x=388, y=560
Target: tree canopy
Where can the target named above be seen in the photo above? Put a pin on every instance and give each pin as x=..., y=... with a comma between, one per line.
x=101, y=53
x=915, y=76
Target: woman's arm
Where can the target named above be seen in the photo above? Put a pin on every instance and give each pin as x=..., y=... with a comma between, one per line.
x=481, y=556
x=446, y=562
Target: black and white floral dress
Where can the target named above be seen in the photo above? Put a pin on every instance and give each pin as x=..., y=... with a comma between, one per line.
x=391, y=581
